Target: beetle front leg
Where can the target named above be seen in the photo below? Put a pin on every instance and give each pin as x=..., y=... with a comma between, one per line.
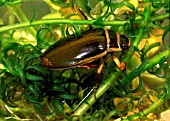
x=120, y=65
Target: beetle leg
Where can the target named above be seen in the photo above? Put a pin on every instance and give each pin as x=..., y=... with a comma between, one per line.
x=101, y=66
x=98, y=75
x=120, y=65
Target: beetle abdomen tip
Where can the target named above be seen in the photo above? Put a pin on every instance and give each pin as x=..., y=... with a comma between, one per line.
x=45, y=62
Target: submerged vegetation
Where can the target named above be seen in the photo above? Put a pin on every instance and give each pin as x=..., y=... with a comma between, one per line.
x=30, y=91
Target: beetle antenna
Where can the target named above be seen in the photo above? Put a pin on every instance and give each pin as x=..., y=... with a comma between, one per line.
x=81, y=12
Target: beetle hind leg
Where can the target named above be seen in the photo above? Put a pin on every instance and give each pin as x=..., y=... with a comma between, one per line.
x=120, y=65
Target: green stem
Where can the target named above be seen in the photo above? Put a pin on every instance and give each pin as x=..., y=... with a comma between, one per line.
x=100, y=91
x=147, y=13
x=146, y=111
x=78, y=22
x=61, y=21
x=160, y=17
x=145, y=65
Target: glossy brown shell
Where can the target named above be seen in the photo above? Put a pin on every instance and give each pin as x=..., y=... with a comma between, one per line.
x=71, y=52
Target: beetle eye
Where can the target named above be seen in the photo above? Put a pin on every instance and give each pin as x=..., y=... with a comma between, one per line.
x=124, y=46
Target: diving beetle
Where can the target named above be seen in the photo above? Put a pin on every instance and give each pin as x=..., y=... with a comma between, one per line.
x=94, y=44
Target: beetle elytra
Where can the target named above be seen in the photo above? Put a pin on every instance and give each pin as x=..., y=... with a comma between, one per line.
x=72, y=51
